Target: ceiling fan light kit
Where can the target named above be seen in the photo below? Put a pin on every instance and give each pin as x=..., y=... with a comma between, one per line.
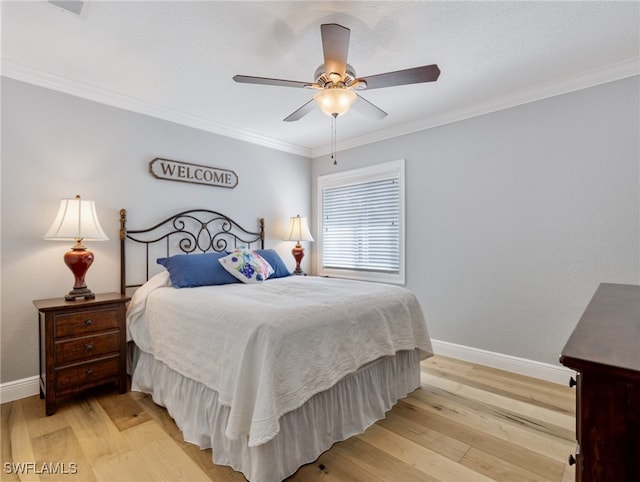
x=336, y=80
x=335, y=100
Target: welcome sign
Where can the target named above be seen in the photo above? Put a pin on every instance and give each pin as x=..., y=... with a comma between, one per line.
x=194, y=173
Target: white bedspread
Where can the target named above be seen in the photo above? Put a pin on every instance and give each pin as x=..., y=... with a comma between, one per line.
x=267, y=348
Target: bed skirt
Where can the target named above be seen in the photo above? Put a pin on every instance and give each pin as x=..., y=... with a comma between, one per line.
x=347, y=409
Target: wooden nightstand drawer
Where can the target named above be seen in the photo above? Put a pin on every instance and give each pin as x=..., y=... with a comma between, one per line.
x=93, y=346
x=85, y=322
x=86, y=374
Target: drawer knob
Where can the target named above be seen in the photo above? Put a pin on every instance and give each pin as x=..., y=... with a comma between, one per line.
x=89, y=372
x=88, y=346
x=88, y=322
x=572, y=382
x=572, y=460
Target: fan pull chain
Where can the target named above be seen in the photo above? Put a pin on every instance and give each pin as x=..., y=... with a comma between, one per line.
x=333, y=138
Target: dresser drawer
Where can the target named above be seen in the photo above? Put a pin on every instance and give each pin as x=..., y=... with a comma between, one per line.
x=86, y=374
x=92, y=346
x=85, y=322
x=633, y=403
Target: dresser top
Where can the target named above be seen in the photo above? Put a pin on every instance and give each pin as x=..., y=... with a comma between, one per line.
x=608, y=332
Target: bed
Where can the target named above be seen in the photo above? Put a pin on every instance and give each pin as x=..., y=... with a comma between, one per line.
x=267, y=371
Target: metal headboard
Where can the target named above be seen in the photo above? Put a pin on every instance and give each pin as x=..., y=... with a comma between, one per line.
x=196, y=230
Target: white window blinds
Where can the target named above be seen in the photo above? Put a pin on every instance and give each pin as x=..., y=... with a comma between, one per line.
x=361, y=226
x=361, y=223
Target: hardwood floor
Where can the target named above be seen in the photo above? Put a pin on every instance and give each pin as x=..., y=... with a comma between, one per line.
x=466, y=423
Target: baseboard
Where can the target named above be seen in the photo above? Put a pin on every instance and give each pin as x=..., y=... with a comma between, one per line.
x=18, y=389
x=522, y=366
x=30, y=386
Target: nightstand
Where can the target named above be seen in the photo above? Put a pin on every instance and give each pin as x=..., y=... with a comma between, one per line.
x=82, y=345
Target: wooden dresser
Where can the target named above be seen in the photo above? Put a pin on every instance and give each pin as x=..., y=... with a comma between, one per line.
x=604, y=349
x=82, y=345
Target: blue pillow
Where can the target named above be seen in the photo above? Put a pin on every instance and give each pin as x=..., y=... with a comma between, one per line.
x=191, y=270
x=279, y=268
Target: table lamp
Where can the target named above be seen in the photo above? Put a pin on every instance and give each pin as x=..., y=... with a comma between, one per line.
x=298, y=231
x=77, y=220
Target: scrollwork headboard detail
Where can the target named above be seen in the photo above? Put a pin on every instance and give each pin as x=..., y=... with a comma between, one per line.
x=193, y=231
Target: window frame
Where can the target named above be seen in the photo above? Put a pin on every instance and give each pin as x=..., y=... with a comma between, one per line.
x=375, y=172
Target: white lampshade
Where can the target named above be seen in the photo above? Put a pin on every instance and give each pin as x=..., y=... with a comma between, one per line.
x=299, y=230
x=76, y=220
x=335, y=100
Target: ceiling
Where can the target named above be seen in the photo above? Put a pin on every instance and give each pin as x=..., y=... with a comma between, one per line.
x=175, y=60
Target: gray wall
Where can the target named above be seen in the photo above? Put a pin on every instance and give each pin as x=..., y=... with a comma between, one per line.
x=55, y=146
x=515, y=217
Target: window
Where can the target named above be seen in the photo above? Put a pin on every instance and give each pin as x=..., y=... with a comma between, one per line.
x=361, y=223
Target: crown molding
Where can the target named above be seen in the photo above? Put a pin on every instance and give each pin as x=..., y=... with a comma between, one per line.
x=602, y=75
x=23, y=73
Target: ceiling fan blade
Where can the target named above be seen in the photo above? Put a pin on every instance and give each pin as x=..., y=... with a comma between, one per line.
x=368, y=109
x=426, y=73
x=335, y=46
x=301, y=112
x=246, y=79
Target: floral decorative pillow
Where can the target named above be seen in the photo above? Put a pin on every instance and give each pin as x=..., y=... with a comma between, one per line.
x=247, y=266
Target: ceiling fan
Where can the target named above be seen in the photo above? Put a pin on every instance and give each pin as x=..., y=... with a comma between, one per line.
x=336, y=81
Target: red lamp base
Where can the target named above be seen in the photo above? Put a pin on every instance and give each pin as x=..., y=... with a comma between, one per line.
x=78, y=260
x=298, y=254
